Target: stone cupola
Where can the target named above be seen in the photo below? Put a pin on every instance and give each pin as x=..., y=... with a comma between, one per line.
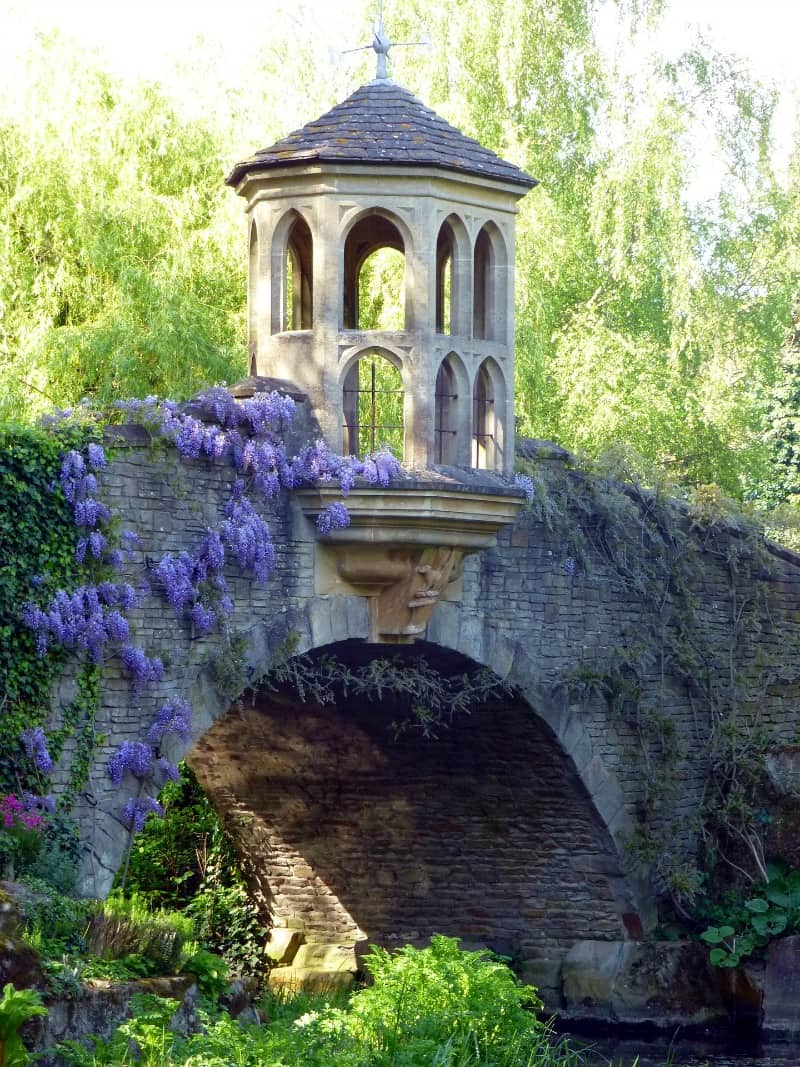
x=381, y=170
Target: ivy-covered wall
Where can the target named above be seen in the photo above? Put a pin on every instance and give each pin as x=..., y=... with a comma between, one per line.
x=656, y=645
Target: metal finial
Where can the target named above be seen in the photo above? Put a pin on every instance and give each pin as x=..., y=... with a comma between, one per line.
x=381, y=46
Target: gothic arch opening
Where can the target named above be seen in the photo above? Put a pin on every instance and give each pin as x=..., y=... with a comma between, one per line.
x=451, y=411
x=374, y=279
x=488, y=404
x=489, y=286
x=445, y=255
x=452, y=277
x=292, y=275
x=253, y=288
x=356, y=823
x=372, y=405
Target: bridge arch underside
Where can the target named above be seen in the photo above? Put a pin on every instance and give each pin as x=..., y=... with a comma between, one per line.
x=350, y=830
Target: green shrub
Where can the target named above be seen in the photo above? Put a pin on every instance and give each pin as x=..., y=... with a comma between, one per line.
x=424, y=998
x=16, y=1007
x=126, y=926
x=773, y=910
x=435, y=1007
x=211, y=972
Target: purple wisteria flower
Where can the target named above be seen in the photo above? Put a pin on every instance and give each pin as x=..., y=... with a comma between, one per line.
x=96, y=455
x=333, y=517
x=202, y=618
x=174, y=719
x=524, y=482
x=134, y=814
x=35, y=744
x=176, y=576
x=83, y=620
x=34, y=802
x=132, y=757
x=246, y=534
x=142, y=668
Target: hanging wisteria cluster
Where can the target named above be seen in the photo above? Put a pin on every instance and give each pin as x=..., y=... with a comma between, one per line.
x=144, y=761
x=248, y=435
x=92, y=620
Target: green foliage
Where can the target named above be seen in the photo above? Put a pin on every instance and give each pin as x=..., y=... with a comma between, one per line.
x=211, y=972
x=16, y=1007
x=746, y=926
x=185, y=861
x=55, y=924
x=37, y=539
x=169, y=859
x=116, y=277
x=422, y=998
x=116, y=939
x=433, y=1007
x=623, y=521
x=126, y=926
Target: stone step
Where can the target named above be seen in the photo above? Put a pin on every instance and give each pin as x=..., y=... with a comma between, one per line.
x=326, y=957
x=283, y=945
x=309, y=979
x=317, y=968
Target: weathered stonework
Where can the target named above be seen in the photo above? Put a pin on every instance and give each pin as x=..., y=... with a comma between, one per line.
x=512, y=826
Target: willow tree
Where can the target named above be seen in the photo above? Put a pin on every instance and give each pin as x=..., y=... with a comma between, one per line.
x=642, y=316
x=118, y=275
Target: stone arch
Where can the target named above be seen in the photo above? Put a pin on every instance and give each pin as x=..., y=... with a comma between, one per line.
x=453, y=270
x=328, y=621
x=488, y=414
x=479, y=837
x=364, y=234
x=369, y=405
x=292, y=273
x=451, y=412
x=490, y=285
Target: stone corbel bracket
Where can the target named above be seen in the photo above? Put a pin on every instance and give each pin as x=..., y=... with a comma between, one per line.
x=404, y=545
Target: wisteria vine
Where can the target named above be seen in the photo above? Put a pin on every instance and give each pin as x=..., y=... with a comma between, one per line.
x=91, y=620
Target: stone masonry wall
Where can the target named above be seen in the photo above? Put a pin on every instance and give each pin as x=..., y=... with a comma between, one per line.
x=525, y=613
x=483, y=832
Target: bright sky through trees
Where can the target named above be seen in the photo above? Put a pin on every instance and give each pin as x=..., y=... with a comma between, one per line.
x=657, y=262
x=149, y=38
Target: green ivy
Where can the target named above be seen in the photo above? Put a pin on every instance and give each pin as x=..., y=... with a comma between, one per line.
x=37, y=545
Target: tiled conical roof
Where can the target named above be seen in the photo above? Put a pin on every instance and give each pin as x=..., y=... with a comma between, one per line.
x=383, y=123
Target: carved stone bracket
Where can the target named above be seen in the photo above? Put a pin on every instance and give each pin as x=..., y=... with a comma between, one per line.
x=404, y=547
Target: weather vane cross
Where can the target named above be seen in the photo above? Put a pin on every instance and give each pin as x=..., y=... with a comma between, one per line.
x=381, y=45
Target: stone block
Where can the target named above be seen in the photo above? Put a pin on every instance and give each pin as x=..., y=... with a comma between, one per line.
x=340, y=957
x=663, y=984
x=588, y=974
x=666, y=984
x=309, y=980
x=782, y=989
x=283, y=945
x=545, y=976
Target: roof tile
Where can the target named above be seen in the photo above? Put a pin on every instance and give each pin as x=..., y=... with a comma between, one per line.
x=383, y=123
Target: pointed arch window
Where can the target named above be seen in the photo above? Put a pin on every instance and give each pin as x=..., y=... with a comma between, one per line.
x=490, y=286
x=374, y=295
x=298, y=285
x=445, y=254
x=488, y=397
x=253, y=289
x=446, y=428
x=482, y=308
x=372, y=405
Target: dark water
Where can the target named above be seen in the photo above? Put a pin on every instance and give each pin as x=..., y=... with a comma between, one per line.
x=659, y=1053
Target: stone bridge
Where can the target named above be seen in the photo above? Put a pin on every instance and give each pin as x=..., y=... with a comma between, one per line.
x=510, y=827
